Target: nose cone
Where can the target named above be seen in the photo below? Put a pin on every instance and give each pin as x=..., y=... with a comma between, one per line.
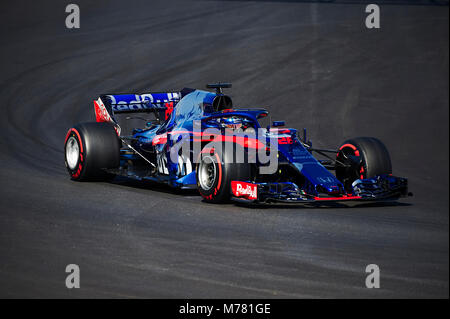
x=321, y=178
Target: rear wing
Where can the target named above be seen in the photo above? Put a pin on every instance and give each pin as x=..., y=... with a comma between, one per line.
x=122, y=103
x=107, y=105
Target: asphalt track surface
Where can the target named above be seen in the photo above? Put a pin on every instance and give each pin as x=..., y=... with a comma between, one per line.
x=313, y=64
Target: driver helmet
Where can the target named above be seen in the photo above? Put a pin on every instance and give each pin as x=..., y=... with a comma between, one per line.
x=233, y=122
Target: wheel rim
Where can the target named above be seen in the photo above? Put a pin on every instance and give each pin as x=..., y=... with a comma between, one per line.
x=72, y=152
x=207, y=173
x=348, y=175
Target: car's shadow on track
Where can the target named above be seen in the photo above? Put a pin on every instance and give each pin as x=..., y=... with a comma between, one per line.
x=324, y=205
x=153, y=186
x=166, y=189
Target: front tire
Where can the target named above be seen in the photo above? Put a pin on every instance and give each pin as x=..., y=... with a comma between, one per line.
x=365, y=157
x=90, y=148
x=217, y=168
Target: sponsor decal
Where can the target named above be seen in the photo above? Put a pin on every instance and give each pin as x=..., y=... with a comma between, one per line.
x=242, y=189
x=101, y=114
x=285, y=140
x=133, y=102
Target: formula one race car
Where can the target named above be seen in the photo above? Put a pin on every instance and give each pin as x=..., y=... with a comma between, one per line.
x=196, y=139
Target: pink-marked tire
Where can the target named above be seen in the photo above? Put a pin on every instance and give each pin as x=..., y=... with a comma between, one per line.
x=217, y=168
x=89, y=148
x=365, y=157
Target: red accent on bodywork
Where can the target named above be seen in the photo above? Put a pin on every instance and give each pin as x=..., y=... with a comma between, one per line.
x=285, y=140
x=336, y=198
x=208, y=137
x=245, y=190
x=101, y=114
x=241, y=140
x=160, y=139
x=169, y=106
x=280, y=130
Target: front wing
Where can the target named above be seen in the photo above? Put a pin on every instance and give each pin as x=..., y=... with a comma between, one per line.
x=378, y=188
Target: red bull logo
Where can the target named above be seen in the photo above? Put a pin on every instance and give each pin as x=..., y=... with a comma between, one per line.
x=246, y=190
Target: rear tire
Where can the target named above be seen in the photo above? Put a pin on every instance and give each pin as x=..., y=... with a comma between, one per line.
x=367, y=156
x=215, y=171
x=90, y=148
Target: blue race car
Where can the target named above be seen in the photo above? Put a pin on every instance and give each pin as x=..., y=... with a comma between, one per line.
x=196, y=139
